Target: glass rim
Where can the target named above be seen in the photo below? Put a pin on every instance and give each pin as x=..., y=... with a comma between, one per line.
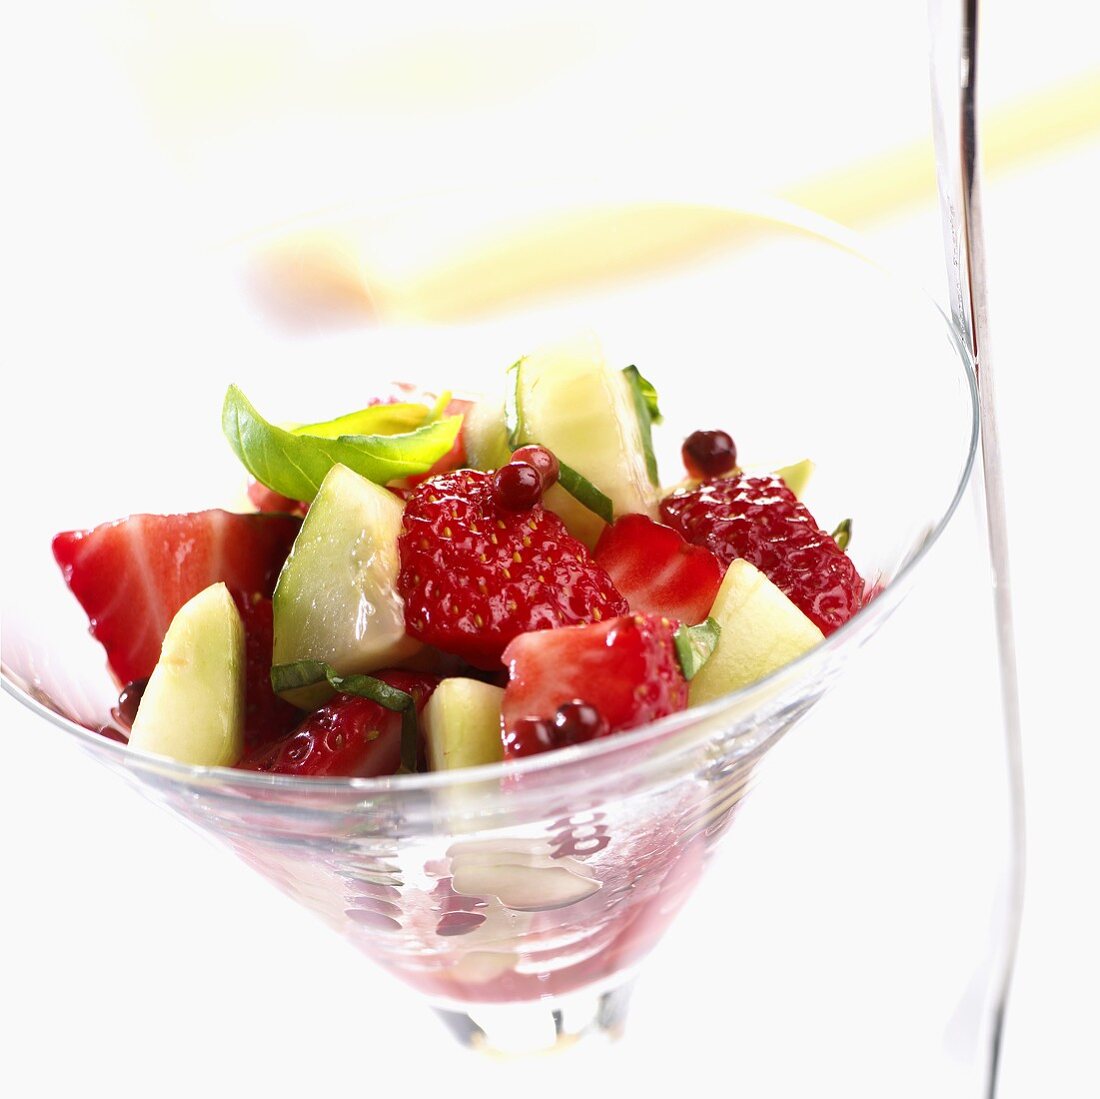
x=784, y=214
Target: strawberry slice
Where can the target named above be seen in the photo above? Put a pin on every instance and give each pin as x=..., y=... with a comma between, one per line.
x=625, y=671
x=475, y=574
x=657, y=571
x=761, y=520
x=131, y=576
x=266, y=716
x=348, y=737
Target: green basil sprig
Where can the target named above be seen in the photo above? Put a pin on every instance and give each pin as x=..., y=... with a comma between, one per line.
x=295, y=464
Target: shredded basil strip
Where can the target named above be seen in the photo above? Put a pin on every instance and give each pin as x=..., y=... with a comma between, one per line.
x=695, y=644
x=307, y=673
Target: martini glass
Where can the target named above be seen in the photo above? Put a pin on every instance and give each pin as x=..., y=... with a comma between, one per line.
x=521, y=899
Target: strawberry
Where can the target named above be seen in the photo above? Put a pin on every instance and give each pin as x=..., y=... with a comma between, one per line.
x=131, y=576
x=348, y=737
x=759, y=519
x=657, y=571
x=267, y=499
x=266, y=716
x=475, y=574
x=625, y=670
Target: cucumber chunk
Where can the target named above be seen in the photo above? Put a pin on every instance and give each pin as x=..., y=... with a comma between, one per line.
x=193, y=706
x=336, y=599
x=566, y=398
x=762, y=630
x=462, y=724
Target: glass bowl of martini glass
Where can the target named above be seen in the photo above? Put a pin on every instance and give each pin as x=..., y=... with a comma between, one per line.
x=520, y=899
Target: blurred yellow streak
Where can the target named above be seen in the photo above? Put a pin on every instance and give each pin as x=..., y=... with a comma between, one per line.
x=1010, y=134
x=407, y=267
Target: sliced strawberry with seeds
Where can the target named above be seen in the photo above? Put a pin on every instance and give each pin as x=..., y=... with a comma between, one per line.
x=131, y=576
x=657, y=571
x=474, y=575
x=348, y=737
x=761, y=520
x=625, y=670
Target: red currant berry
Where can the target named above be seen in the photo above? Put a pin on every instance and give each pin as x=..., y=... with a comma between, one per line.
x=542, y=460
x=517, y=486
x=708, y=454
x=128, y=702
x=577, y=721
x=528, y=737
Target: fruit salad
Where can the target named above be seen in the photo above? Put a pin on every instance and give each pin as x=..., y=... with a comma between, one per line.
x=434, y=583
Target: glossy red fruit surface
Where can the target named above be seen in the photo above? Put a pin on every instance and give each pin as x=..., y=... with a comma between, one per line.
x=657, y=571
x=475, y=575
x=626, y=669
x=542, y=459
x=131, y=576
x=266, y=499
x=347, y=737
x=759, y=519
x=517, y=486
x=708, y=454
x=266, y=716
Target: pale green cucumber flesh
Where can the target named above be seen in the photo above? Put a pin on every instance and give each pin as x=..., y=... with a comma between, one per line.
x=462, y=724
x=336, y=598
x=192, y=709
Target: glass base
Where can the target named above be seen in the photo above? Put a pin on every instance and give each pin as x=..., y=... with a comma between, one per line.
x=545, y=1026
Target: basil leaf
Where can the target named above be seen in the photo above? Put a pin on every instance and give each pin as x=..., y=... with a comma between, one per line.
x=645, y=405
x=306, y=673
x=302, y=673
x=843, y=533
x=295, y=465
x=648, y=390
x=366, y=686
x=585, y=492
x=379, y=419
x=694, y=645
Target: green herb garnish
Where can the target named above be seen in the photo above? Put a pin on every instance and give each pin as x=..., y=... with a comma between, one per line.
x=294, y=464
x=694, y=645
x=307, y=673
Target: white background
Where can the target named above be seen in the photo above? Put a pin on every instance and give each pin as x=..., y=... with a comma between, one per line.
x=135, y=955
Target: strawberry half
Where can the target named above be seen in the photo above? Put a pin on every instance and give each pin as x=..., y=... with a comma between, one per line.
x=657, y=571
x=474, y=575
x=348, y=737
x=761, y=520
x=131, y=576
x=625, y=669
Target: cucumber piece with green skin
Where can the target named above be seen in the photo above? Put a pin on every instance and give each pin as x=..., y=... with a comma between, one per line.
x=193, y=707
x=336, y=598
x=761, y=631
x=462, y=724
x=567, y=399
